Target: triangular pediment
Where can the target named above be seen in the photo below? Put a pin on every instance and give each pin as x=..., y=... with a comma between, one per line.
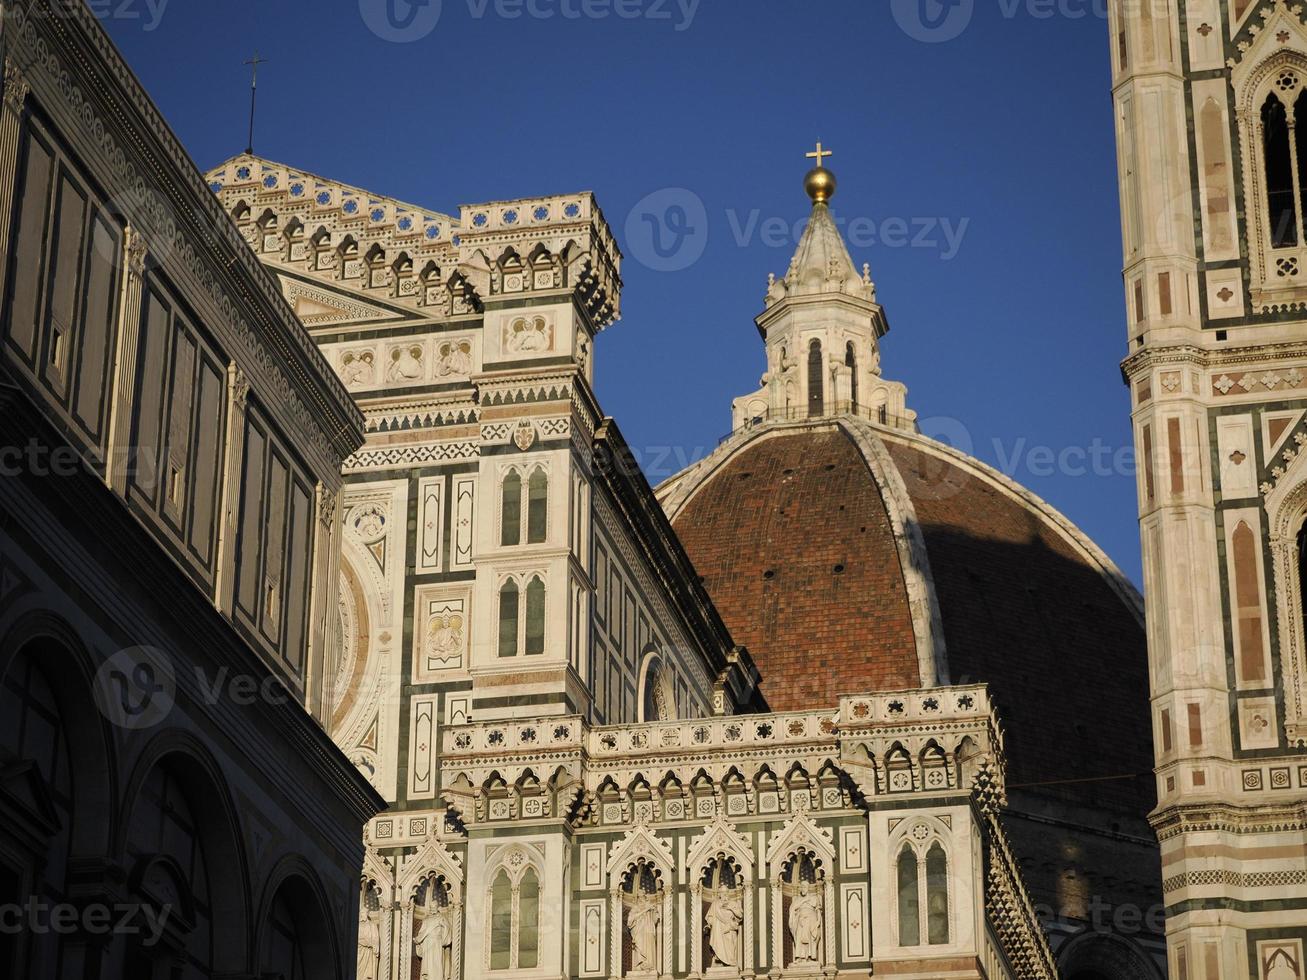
x=641, y=842
x=721, y=837
x=1268, y=28
x=321, y=306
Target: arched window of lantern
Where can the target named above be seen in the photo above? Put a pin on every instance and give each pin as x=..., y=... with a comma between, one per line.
x=513, y=912
x=510, y=515
x=816, y=382
x=851, y=362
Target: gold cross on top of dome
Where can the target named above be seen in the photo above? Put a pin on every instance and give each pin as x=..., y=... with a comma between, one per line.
x=820, y=182
x=820, y=155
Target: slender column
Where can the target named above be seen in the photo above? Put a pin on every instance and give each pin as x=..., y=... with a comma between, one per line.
x=320, y=658
x=120, y=458
x=16, y=90
x=238, y=396
x=1293, y=169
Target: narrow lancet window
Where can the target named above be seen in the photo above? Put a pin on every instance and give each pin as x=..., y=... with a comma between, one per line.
x=816, y=388
x=511, y=523
x=909, y=899
x=1279, y=174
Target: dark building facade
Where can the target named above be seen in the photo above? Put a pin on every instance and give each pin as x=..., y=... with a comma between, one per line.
x=170, y=805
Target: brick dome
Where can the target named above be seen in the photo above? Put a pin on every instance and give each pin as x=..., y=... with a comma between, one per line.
x=853, y=557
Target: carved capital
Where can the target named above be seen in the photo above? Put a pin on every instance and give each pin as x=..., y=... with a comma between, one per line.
x=326, y=507
x=135, y=250
x=240, y=389
x=16, y=86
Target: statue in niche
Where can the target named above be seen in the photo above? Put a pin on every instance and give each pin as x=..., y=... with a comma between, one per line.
x=434, y=943
x=358, y=368
x=805, y=924
x=454, y=359
x=405, y=364
x=369, y=941
x=643, y=917
x=445, y=637
x=725, y=922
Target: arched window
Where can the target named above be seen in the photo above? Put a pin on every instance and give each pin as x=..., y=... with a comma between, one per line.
x=816, y=383
x=535, y=617
x=1300, y=148
x=501, y=922
x=1282, y=214
x=511, y=511
x=909, y=908
x=851, y=362
x=936, y=896
x=537, y=508
x=923, y=884
x=514, y=906
x=165, y=843
x=283, y=955
x=1302, y=573
x=528, y=928
x=508, y=618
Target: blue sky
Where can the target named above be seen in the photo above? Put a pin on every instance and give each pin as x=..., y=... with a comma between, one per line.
x=973, y=144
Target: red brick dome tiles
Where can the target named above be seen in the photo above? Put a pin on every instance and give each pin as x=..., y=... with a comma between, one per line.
x=848, y=557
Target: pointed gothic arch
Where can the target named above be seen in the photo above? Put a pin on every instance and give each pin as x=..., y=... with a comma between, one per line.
x=634, y=860
x=801, y=844
x=721, y=851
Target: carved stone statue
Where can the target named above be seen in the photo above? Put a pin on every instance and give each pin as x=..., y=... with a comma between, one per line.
x=455, y=359
x=434, y=942
x=642, y=921
x=406, y=364
x=357, y=368
x=725, y=922
x=369, y=943
x=806, y=924
x=445, y=638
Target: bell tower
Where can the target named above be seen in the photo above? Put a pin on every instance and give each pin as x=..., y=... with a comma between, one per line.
x=1212, y=160
x=821, y=328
